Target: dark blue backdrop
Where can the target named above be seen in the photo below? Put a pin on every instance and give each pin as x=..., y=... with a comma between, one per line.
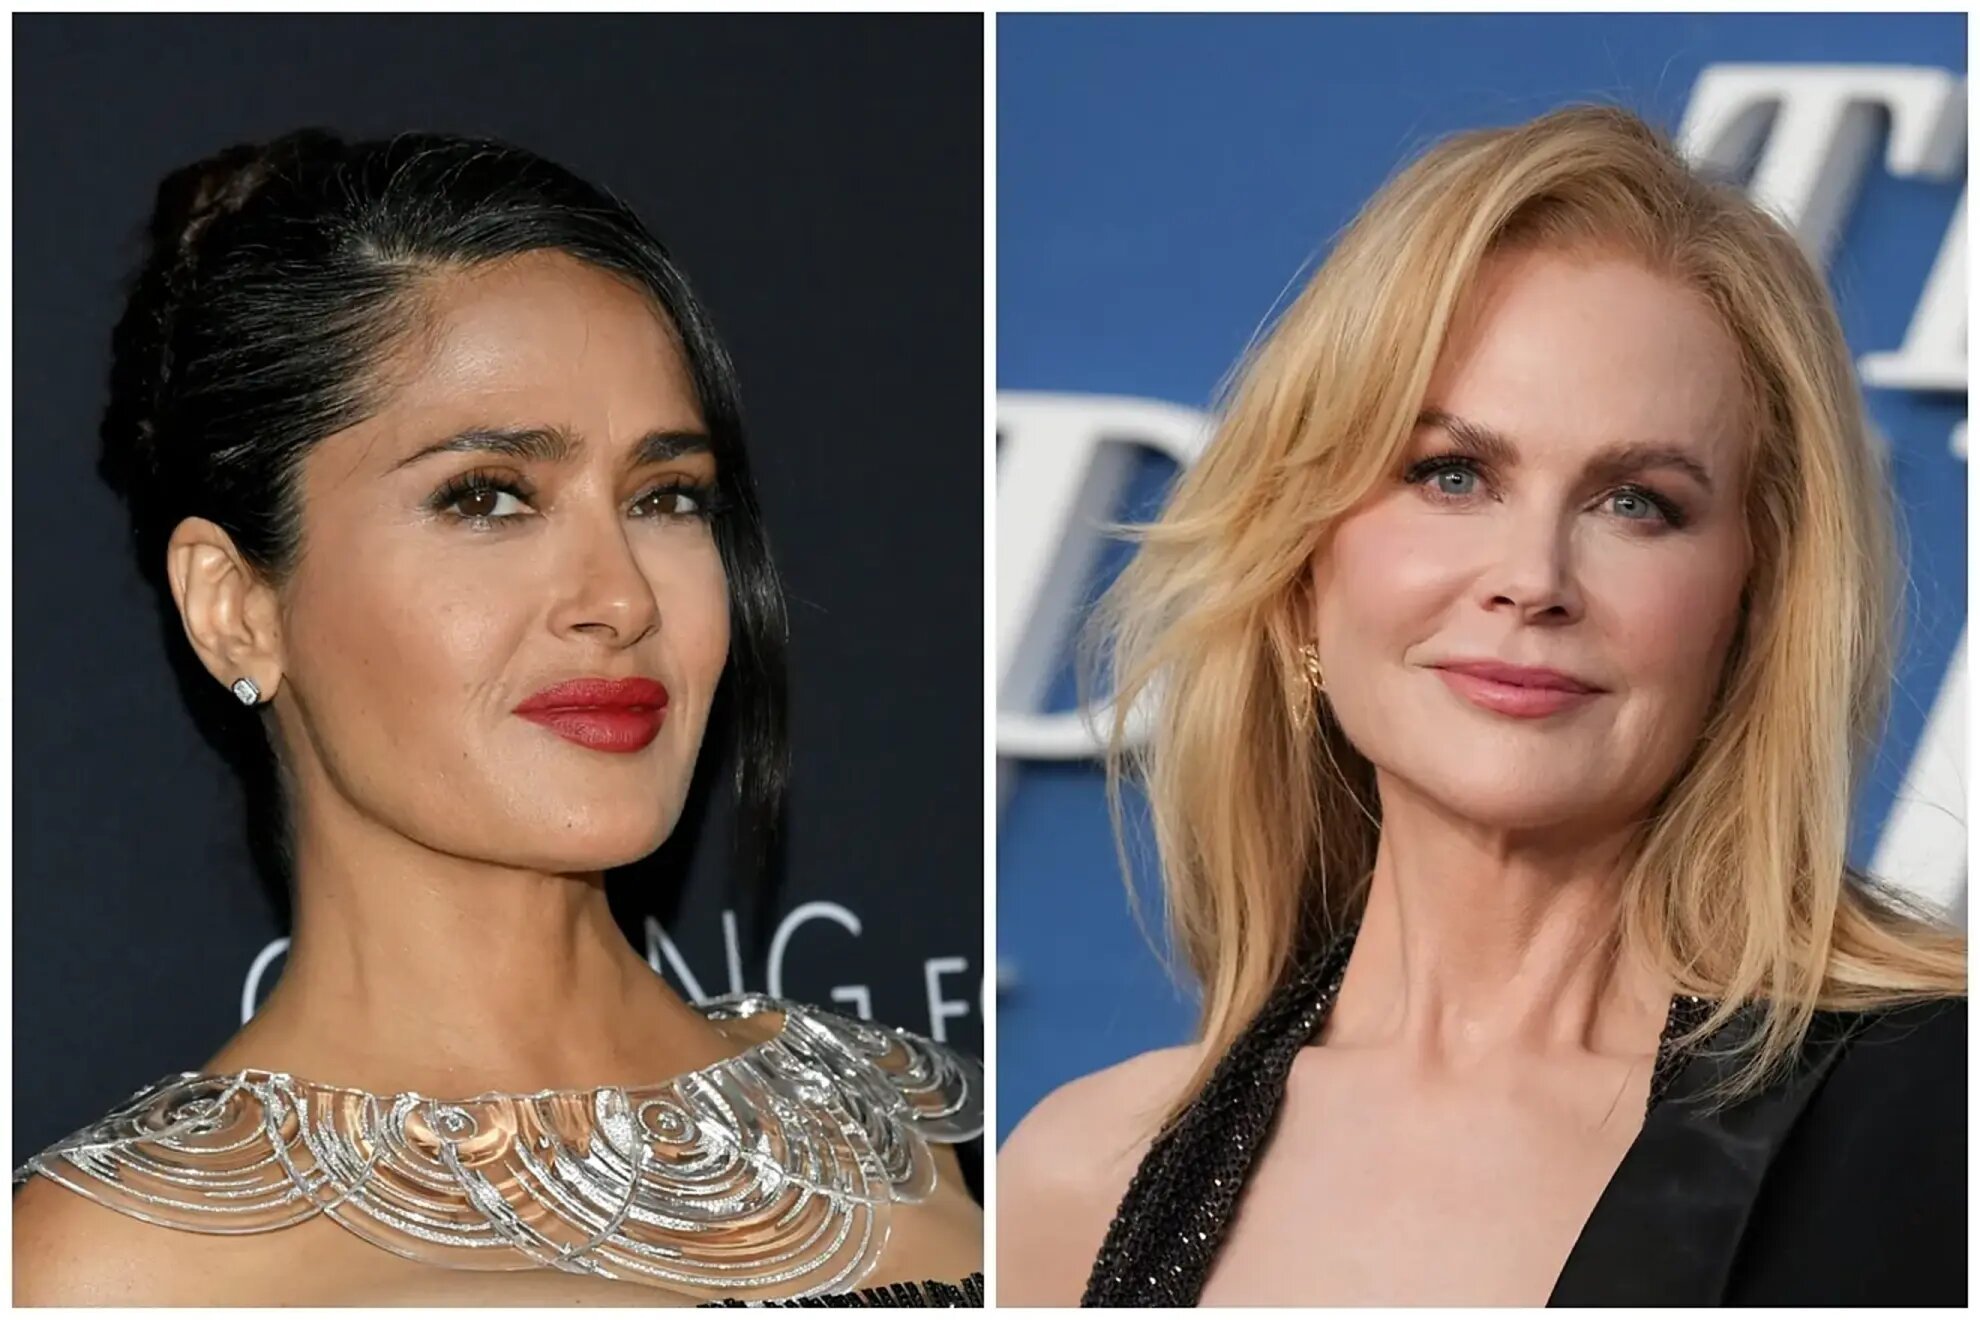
x=1161, y=180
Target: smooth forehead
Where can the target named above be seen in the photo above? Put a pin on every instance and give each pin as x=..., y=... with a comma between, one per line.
x=537, y=339
x=1586, y=349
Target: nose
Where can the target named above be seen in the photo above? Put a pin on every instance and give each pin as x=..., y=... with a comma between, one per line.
x=1533, y=574
x=607, y=594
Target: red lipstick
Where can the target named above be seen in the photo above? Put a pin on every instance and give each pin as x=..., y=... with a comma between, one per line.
x=604, y=714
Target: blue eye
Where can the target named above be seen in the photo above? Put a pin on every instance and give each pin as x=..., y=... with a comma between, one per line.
x=1455, y=477
x=1456, y=481
x=1448, y=476
x=1635, y=505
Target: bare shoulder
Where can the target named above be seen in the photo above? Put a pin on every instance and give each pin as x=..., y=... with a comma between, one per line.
x=938, y=1239
x=70, y=1251
x=1097, y=1122
x=1061, y=1174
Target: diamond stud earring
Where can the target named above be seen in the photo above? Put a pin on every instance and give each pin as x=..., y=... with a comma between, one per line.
x=245, y=689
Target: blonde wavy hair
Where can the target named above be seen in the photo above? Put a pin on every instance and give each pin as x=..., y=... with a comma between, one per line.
x=1266, y=819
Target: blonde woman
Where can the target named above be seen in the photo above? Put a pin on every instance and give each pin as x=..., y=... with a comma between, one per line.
x=1509, y=653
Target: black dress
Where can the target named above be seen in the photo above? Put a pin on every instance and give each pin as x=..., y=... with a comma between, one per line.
x=1841, y=1184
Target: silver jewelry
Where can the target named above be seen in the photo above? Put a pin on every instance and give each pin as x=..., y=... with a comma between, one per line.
x=770, y=1174
x=247, y=691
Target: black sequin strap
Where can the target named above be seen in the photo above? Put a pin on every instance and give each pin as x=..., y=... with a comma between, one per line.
x=1687, y=1013
x=1175, y=1214
x=967, y=1293
x=1177, y=1210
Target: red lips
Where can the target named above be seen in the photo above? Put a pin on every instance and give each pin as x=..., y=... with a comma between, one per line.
x=604, y=714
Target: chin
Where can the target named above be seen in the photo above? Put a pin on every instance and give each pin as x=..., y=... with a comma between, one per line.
x=1503, y=805
x=573, y=858
x=588, y=840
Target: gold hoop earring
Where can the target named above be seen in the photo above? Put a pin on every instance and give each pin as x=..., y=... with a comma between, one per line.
x=1309, y=658
x=1309, y=655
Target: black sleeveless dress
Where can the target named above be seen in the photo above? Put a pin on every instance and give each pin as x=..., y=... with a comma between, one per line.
x=1843, y=1183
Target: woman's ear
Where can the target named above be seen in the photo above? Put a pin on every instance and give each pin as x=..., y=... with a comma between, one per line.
x=230, y=613
x=1306, y=592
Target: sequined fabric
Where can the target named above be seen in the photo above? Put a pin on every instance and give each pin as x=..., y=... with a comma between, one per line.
x=967, y=1293
x=1173, y=1219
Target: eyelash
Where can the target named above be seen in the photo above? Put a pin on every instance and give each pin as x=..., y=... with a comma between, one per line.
x=1671, y=514
x=706, y=498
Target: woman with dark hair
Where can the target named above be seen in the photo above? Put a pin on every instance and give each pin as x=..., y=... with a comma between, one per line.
x=434, y=455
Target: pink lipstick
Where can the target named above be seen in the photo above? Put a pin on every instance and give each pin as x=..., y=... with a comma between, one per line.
x=1515, y=690
x=604, y=714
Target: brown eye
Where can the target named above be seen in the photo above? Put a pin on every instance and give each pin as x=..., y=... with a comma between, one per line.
x=478, y=503
x=481, y=501
x=673, y=502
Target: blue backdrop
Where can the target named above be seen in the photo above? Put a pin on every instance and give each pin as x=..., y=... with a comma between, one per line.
x=1163, y=179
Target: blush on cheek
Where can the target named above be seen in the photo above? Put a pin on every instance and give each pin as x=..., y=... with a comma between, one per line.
x=1674, y=621
x=1387, y=580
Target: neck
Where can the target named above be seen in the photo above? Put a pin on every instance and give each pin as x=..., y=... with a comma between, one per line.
x=1479, y=943
x=415, y=970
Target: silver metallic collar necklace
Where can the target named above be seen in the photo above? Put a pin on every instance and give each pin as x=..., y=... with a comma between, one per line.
x=769, y=1174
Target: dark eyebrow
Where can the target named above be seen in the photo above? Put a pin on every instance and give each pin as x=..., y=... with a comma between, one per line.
x=1611, y=464
x=554, y=444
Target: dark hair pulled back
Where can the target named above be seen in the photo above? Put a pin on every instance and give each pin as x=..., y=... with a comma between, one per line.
x=277, y=276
